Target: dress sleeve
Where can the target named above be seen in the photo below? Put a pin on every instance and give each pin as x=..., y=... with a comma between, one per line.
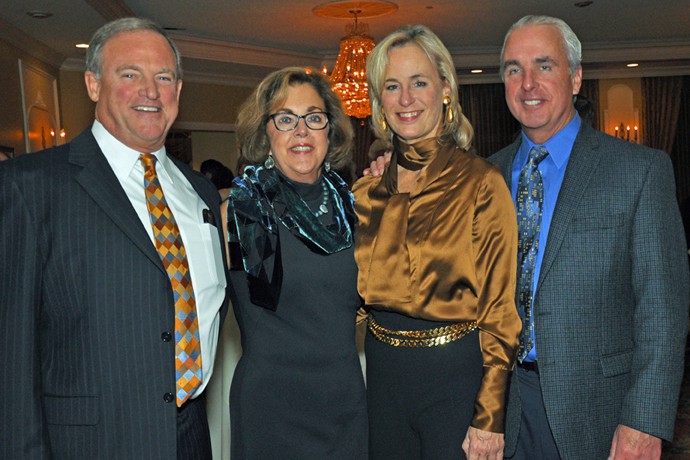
x=495, y=248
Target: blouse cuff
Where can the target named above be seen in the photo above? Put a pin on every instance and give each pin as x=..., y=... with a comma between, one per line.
x=490, y=403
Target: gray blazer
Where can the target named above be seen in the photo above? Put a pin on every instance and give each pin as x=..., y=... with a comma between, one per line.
x=611, y=307
x=85, y=308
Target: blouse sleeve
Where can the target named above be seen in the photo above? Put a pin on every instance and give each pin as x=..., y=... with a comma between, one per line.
x=495, y=243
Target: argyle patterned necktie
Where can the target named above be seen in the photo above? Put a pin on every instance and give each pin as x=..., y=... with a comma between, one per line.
x=529, y=204
x=188, y=371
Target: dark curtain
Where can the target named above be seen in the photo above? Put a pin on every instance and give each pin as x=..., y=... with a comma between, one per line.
x=494, y=126
x=590, y=90
x=660, y=109
x=680, y=152
x=364, y=137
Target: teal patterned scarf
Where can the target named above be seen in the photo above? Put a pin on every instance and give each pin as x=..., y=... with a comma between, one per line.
x=262, y=199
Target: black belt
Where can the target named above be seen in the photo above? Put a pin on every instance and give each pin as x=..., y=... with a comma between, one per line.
x=530, y=366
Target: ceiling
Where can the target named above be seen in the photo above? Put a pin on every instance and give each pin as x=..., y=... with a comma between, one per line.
x=240, y=41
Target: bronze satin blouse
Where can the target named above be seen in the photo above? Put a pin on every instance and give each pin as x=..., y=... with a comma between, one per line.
x=447, y=251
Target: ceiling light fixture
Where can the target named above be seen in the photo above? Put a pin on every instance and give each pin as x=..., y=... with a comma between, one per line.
x=349, y=76
x=633, y=64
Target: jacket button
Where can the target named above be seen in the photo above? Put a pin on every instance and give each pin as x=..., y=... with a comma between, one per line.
x=166, y=336
x=168, y=397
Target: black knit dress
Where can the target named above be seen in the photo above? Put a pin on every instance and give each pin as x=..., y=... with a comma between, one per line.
x=298, y=390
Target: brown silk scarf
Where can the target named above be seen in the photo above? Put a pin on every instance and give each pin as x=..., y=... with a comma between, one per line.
x=389, y=256
x=411, y=157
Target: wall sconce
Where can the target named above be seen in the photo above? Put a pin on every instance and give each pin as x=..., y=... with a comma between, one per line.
x=623, y=131
x=59, y=139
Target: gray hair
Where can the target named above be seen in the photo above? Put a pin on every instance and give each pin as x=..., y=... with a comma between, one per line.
x=118, y=26
x=571, y=44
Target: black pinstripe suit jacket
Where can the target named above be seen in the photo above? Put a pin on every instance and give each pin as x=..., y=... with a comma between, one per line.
x=84, y=301
x=611, y=307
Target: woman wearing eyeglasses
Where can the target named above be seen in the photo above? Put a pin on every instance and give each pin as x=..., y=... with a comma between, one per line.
x=298, y=390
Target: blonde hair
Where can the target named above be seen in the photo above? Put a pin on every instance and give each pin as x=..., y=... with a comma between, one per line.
x=460, y=129
x=271, y=92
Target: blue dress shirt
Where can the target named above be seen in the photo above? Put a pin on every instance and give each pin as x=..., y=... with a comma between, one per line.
x=552, y=170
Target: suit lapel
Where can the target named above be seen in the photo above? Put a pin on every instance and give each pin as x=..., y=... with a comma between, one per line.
x=506, y=163
x=583, y=163
x=99, y=181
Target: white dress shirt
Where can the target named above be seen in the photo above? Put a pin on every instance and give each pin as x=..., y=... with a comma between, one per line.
x=200, y=239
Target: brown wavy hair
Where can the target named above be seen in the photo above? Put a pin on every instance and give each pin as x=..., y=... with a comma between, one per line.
x=272, y=92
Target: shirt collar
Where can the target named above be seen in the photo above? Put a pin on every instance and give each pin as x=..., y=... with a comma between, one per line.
x=124, y=159
x=559, y=146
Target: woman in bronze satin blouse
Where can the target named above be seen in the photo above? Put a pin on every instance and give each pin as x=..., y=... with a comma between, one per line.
x=436, y=252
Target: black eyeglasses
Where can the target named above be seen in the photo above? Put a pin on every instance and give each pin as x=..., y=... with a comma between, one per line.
x=285, y=121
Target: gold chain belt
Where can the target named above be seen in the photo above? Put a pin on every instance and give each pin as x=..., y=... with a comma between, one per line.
x=422, y=338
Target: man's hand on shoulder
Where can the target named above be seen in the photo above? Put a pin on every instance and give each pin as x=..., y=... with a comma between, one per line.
x=630, y=444
x=378, y=165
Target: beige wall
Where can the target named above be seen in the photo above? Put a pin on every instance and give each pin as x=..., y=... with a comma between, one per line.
x=11, y=115
x=207, y=103
x=219, y=146
x=77, y=108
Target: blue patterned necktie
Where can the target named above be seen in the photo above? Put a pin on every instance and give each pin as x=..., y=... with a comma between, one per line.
x=529, y=204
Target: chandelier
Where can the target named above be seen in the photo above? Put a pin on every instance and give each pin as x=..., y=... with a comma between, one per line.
x=349, y=76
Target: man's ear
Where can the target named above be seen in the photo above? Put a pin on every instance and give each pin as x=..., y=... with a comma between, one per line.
x=576, y=80
x=93, y=85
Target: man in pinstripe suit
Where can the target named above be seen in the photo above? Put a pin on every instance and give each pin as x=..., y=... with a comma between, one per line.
x=86, y=306
x=610, y=287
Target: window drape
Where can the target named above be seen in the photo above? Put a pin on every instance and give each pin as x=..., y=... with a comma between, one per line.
x=660, y=109
x=485, y=106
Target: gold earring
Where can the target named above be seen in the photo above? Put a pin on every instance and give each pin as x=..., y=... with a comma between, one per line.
x=384, y=125
x=450, y=116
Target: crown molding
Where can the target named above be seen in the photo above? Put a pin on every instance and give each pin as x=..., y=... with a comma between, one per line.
x=221, y=79
x=111, y=9
x=238, y=53
x=636, y=51
x=73, y=65
x=657, y=59
x=24, y=42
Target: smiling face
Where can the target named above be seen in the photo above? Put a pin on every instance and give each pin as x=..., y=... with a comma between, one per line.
x=138, y=93
x=299, y=153
x=412, y=95
x=538, y=84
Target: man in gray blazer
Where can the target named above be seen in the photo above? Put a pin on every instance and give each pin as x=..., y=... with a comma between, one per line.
x=601, y=368
x=86, y=305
